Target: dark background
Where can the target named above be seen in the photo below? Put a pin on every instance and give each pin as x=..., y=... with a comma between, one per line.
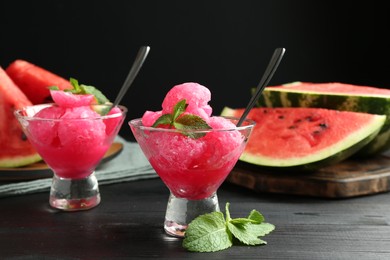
x=224, y=45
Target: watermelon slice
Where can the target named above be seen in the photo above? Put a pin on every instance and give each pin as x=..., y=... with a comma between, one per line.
x=15, y=150
x=35, y=81
x=305, y=138
x=338, y=96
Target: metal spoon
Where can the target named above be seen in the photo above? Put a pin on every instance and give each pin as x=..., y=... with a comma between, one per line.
x=269, y=72
x=138, y=62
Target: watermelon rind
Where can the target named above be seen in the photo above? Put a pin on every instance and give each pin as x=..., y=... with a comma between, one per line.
x=287, y=96
x=15, y=149
x=325, y=157
x=18, y=161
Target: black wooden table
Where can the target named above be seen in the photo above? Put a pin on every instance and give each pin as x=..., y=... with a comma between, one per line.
x=128, y=224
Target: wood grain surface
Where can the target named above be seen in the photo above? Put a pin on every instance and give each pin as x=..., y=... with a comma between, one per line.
x=128, y=224
x=350, y=178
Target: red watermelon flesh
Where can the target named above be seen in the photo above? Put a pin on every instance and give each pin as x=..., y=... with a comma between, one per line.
x=15, y=150
x=335, y=88
x=285, y=133
x=35, y=81
x=285, y=137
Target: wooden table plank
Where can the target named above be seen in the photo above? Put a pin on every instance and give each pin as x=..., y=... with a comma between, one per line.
x=128, y=224
x=350, y=178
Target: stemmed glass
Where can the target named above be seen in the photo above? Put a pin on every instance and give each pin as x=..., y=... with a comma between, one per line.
x=72, y=148
x=192, y=164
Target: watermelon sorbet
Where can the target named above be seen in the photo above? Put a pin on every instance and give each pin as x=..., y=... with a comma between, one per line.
x=192, y=168
x=70, y=135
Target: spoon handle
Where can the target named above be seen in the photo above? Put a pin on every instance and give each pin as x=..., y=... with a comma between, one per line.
x=138, y=62
x=269, y=72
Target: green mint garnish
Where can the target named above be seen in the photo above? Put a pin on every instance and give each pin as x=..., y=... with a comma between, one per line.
x=84, y=89
x=182, y=121
x=54, y=88
x=212, y=232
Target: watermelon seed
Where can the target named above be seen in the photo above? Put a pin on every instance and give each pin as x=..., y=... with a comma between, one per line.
x=281, y=117
x=316, y=132
x=322, y=126
x=23, y=136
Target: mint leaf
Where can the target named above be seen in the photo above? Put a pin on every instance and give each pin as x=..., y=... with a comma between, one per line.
x=247, y=230
x=182, y=121
x=241, y=228
x=207, y=233
x=165, y=119
x=256, y=216
x=261, y=229
x=227, y=212
x=54, y=88
x=242, y=231
x=75, y=84
x=249, y=233
x=84, y=89
x=179, y=109
x=191, y=122
x=100, y=98
x=211, y=232
x=242, y=221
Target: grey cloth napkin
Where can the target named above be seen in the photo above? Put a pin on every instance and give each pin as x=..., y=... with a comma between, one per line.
x=131, y=164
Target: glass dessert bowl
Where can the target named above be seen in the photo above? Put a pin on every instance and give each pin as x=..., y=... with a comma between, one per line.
x=192, y=164
x=72, y=141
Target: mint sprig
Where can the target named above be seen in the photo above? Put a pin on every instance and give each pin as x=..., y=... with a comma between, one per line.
x=212, y=232
x=181, y=121
x=82, y=89
x=85, y=89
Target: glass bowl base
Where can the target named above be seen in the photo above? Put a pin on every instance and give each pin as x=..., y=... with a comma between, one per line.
x=74, y=194
x=180, y=212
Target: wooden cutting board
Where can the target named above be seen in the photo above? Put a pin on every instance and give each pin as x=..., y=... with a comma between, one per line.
x=346, y=179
